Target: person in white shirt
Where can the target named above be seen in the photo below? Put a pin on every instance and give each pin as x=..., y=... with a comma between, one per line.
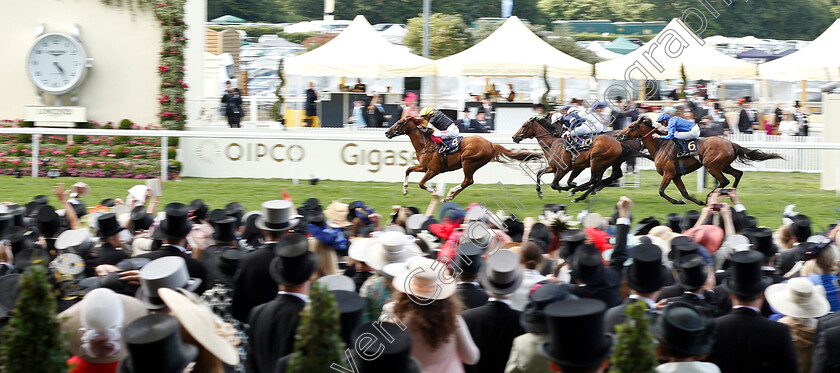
x=531, y=260
x=788, y=126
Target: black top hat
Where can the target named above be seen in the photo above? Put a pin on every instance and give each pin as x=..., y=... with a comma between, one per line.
x=108, y=202
x=6, y=221
x=108, y=225
x=236, y=211
x=154, y=345
x=674, y=221
x=762, y=241
x=352, y=309
x=587, y=266
x=199, y=209
x=576, y=327
x=690, y=219
x=469, y=259
x=226, y=265
x=394, y=357
x=681, y=246
x=746, y=279
x=16, y=238
x=644, y=226
x=176, y=225
x=140, y=220
x=293, y=263
x=17, y=212
x=532, y=319
x=31, y=256
x=9, y=289
x=572, y=239
x=40, y=199
x=223, y=230
x=801, y=227
x=48, y=221
x=541, y=235
x=684, y=329
x=691, y=273
x=645, y=274
x=502, y=273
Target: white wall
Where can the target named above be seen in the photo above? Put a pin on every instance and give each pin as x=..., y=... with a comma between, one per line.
x=124, y=44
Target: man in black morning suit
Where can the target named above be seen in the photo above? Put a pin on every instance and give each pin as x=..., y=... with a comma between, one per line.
x=469, y=262
x=746, y=341
x=175, y=228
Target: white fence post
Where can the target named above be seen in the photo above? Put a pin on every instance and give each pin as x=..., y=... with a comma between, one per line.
x=253, y=108
x=36, y=142
x=701, y=174
x=164, y=158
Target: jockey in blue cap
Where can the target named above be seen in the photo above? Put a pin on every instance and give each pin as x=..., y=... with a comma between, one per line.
x=677, y=129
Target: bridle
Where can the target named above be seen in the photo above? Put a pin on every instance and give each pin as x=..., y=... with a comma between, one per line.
x=531, y=122
x=401, y=131
x=635, y=127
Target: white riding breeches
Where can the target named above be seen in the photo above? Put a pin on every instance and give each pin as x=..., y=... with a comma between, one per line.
x=588, y=128
x=689, y=135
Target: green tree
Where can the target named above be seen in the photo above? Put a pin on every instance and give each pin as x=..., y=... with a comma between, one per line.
x=528, y=9
x=634, y=349
x=302, y=10
x=468, y=10
x=448, y=35
x=33, y=342
x=318, y=341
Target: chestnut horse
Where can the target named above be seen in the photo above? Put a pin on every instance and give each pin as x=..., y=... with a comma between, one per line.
x=716, y=154
x=474, y=153
x=605, y=152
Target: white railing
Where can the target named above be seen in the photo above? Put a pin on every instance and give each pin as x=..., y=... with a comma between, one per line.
x=802, y=154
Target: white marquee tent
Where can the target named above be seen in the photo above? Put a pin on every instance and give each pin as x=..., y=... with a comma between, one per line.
x=513, y=51
x=819, y=60
x=675, y=46
x=360, y=52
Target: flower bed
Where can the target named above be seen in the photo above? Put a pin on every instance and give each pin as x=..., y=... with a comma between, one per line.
x=88, y=156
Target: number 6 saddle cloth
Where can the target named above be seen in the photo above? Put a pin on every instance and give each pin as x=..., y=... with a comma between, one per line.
x=692, y=147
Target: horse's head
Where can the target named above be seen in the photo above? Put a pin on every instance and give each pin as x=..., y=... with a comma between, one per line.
x=402, y=127
x=527, y=131
x=638, y=129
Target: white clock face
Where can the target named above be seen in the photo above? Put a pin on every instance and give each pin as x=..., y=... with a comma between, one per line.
x=56, y=63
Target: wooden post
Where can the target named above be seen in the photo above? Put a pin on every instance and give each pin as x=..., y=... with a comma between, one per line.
x=804, y=94
x=641, y=92
x=562, y=91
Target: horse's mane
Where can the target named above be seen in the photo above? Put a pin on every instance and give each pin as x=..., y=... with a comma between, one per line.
x=545, y=122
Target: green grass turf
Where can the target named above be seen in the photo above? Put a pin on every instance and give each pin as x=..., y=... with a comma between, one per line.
x=764, y=194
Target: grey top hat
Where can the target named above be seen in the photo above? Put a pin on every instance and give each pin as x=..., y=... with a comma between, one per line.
x=167, y=272
x=502, y=273
x=276, y=216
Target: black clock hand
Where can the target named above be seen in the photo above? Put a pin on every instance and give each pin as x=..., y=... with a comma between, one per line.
x=59, y=68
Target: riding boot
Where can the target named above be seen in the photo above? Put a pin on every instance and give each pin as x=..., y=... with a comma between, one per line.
x=681, y=151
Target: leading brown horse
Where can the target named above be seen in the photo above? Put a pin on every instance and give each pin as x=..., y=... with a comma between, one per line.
x=474, y=153
x=605, y=152
x=716, y=154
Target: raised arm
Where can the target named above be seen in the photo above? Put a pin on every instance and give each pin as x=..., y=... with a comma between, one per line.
x=619, y=255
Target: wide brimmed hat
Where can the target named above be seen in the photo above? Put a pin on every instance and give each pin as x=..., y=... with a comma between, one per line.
x=277, y=216
x=336, y=214
x=337, y=283
x=200, y=322
x=351, y=307
x=421, y=281
x=685, y=329
x=293, y=263
x=710, y=236
x=140, y=220
x=576, y=329
x=227, y=262
x=108, y=225
x=747, y=279
x=691, y=273
x=394, y=357
x=502, y=273
x=532, y=319
x=645, y=275
x=798, y=298
x=358, y=249
x=223, y=230
x=100, y=309
x=663, y=232
x=167, y=272
x=154, y=345
x=75, y=240
x=176, y=225
x=390, y=247
x=469, y=259
x=644, y=226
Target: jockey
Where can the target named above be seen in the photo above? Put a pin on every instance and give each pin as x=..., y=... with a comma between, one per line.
x=678, y=129
x=445, y=128
x=580, y=122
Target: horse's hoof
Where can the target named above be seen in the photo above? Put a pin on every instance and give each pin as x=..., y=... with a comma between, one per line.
x=575, y=200
x=405, y=192
x=571, y=193
x=540, y=194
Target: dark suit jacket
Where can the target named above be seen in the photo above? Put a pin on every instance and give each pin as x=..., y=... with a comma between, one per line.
x=607, y=291
x=376, y=118
x=826, y=357
x=707, y=303
x=194, y=267
x=107, y=254
x=670, y=292
x=493, y=327
x=471, y=126
x=472, y=296
x=252, y=283
x=744, y=123
x=272, y=332
x=787, y=259
x=724, y=304
x=747, y=342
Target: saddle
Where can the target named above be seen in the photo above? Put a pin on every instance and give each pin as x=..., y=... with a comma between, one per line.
x=579, y=144
x=692, y=149
x=454, y=145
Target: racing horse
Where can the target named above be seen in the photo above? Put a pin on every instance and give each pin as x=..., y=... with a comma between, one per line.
x=715, y=153
x=605, y=152
x=474, y=153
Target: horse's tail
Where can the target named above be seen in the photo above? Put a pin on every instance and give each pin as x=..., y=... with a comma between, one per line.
x=745, y=155
x=502, y=154
x=627, y=152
